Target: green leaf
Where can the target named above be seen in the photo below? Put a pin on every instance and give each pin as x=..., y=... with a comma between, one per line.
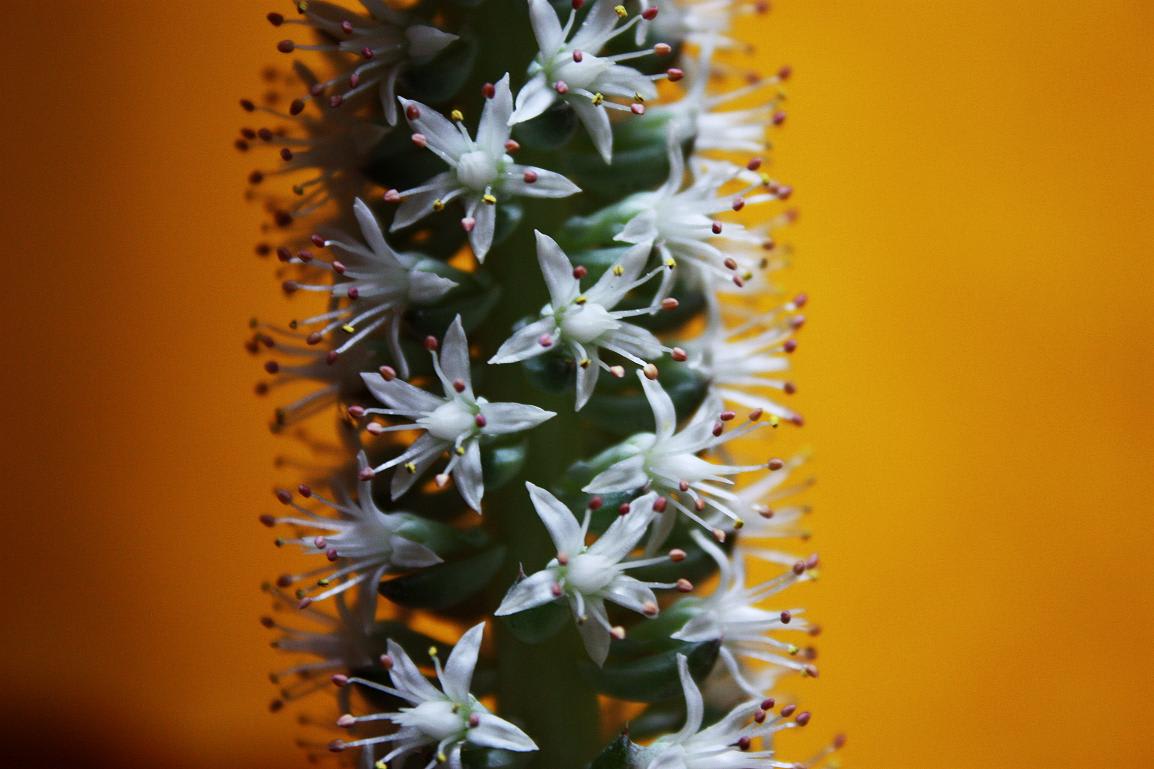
x=446, y=584
x=652, y=678
x=436, y=81
x=501, y=464
x=550, y=130
x=493, y=758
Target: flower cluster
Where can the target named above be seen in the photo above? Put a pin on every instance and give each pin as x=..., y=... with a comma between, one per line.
x=572, y=191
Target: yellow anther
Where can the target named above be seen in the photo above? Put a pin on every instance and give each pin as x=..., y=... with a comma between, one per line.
x=620, y=11
x=324, y=582
x=582, y=299
x=765, y=178
x=739, y=524
x=381, y=764
x=747, y=275
x=792, y=650
x=460, y=451
x=489, y=198
x=671, y=262
x=638, y=98
x=438, y=205
x=597, y=99
x=442, y=758
x=411, y=467
x=774, y=421
x=298, y=189
x=432, y=651
x=302, y=5
x=584, y=363
x=457, y=115
x=618, y=270
x=348, y=328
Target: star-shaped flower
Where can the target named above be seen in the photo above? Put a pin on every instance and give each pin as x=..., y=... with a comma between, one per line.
x=667, y=461
x=455, y=422
x=731, y=614
x=588, y=576
x=585, y=321
x=727, y=744
x=568, y=69
x=444, y=719
x=681, y=221
x=378, y=284
x=385, y=42
x=361, y=545
x=482, y=173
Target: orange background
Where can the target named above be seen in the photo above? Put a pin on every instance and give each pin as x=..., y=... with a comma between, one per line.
x=978, y=375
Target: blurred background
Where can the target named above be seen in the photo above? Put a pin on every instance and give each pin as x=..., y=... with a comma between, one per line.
x=976, y=185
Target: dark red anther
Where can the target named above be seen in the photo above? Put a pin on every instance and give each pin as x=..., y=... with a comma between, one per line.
x=778, y=117
x=753, y=164
x=284, y=496
x=790, y=345
x=786, y=617
x=803, y=718
x=297, y=106
x=354, y=293
x=784, y=72
x=775, y=464
x=247, y=106
x=412, y=112
x=623, y=508
x=347, y=27
x=659, y=505
x=256, y=177
x=459, y=385
x=480, y=420
x=276, y=19
x=769, y=703
x=271, y=366
x=285, y=46
x=674, y=74
x=530, y=176
x=332, y=357
x=744, y=743
x=595, y=503
x=788, y=710
x=716, y=228
x=650, y=13
x=488, y=90
x=580, y=271
x=431, y=343
x=790, y=388
x=305, y=490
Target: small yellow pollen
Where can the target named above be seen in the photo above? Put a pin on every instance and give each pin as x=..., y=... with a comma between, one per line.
x=460, y=451
x=765, y=179
x=638, y=98
x=774, y=421
x=432, y=651
x=597, y=99
x=324, y=582
x=792, y=650
x=618, y=270
x=411, y=467
x=438, y=205
x=584, y=363
x=671, y=262
x=298, y=189
x=620, y=11
x=739, y=524
x=582, y=299
x=348, y=328
x=489, y=198
x=457, y=115
x=442, y=758
x=381, y=764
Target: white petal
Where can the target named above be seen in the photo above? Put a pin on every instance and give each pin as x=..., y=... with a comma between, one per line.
x=531, y=592
x=416, y=204
x=701, y=627
x=408, y=554
x=594, y=634
x=505, y=418
x=443, y=137
x=640, y=229
x=371, y=230
x=467, y=476
x=557, y=271
x=672, y=757
x=426, y=450
x=626, y=475
x=548, y=184
x=694, y=707
x=426, y=42
x=663, y=412
x=481, y=238
x=596, y=122
x=496, y=732
x=676, y=158
x=611, y=288
x=406, y=677
x=457, y=675
x=400, y=395
x=546, y=26
x=426, y=287
x=493, y=131
x=559, y=521
x=525, y=342
x=587, y=379
x=535, y=97
x=596, y=28
x=626, y=530
x=455, y=358
x=630, y=593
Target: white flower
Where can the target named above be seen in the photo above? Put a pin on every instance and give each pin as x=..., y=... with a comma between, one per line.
x=585, y=321
x=730, y=614
x=338, y=640
x=758, y=505
x=742, y=362
x=701, y=22
x=379, y=285
x=361, y=545
x=324, y=154
x=568, y=69
x=727, y=744
x=454, y=423
x=482, y=172
x=667, y=461
x=682, y=224
x=696, y=115
x=384, y=43
x=588, y=576
x=444, y=719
